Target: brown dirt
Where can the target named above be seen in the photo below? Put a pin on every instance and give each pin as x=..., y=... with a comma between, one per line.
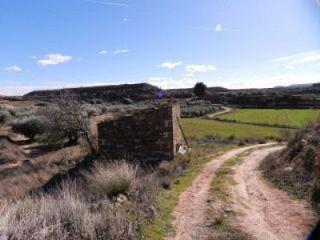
x=263, y=211
x=190, y=213
x=259, y=209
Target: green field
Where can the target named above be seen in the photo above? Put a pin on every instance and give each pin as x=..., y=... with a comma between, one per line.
x=282, y=117
x=196, y=127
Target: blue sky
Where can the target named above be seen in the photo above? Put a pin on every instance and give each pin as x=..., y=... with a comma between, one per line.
x=170, y=43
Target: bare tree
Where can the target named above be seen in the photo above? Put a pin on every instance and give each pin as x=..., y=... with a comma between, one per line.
x=67, y=119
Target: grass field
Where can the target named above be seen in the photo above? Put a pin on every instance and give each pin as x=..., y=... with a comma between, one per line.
x=196, y=127
x=282, y=117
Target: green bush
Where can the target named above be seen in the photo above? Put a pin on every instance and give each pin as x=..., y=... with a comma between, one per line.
x=4, y=116
x=29, y=127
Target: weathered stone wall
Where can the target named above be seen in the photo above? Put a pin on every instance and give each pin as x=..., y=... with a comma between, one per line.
x=152, y=134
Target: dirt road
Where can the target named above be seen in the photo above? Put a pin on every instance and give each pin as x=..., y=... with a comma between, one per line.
x=224, y=111
x=260, y=210
x=190, y=213
x=263, y=211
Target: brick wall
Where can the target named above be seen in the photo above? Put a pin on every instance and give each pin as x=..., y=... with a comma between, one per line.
x=152, y=134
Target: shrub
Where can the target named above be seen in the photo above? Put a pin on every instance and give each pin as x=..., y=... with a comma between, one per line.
x=308, y=156
x=315, y=140
x=315, y=193
x=4, y=116
x=29, y=127
x=111, y=178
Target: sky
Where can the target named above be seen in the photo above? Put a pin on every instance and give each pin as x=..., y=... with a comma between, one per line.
x=48, y=44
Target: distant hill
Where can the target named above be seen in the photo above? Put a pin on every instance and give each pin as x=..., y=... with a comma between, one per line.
x=294, y=96
x=297, y=86
x=111, y=93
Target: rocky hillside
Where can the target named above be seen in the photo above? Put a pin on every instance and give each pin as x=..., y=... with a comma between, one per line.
x=296, y=169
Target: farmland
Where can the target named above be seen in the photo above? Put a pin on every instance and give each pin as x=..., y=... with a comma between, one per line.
x=273, y=117
x=199, y=128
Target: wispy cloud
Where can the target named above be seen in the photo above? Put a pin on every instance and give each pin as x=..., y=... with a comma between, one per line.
x=170, y=65
x=193, y=68
x=13, y=68
x=54, y=59
x=103, y=52
x=120, y=51
x=300, y=59
x=119, y=4
x=217, y=28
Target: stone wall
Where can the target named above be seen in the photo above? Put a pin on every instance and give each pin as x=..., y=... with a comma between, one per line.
x=150, y=135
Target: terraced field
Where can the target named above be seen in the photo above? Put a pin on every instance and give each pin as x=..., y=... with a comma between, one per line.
x=273, y=117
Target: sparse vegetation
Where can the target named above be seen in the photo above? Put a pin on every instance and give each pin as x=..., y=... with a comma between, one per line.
x=111, y=178
x=295, y=168
x=197, y=111
x=67, y=119
x=4, y=116
x=29, y=126
x=74, y=211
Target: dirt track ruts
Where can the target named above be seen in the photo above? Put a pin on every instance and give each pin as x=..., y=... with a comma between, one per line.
x=264, y=211
x=260, y=210
x=190, y=213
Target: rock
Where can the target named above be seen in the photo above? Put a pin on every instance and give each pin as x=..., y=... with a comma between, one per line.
x=121, y=198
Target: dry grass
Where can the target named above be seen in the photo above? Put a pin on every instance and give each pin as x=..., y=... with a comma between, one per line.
x=111, y=178
x=70, y=212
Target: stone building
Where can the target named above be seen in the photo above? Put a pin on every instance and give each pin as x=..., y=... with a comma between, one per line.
x=153, y=134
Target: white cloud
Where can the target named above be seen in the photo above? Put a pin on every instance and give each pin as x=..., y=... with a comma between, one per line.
x=269, y=81
x=218, y=28
x=13, y=68
x=300, y=59
x=193, y=68
x=173, y=83
x=120, y=51
x=170, y=65
x=125, y=19
x=103, y=52
x=54, y=59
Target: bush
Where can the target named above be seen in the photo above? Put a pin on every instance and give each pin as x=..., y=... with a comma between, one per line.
x=111, y=178
x=29, y=127
x=308, y=156
x=4, y=116
x=73, y=211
